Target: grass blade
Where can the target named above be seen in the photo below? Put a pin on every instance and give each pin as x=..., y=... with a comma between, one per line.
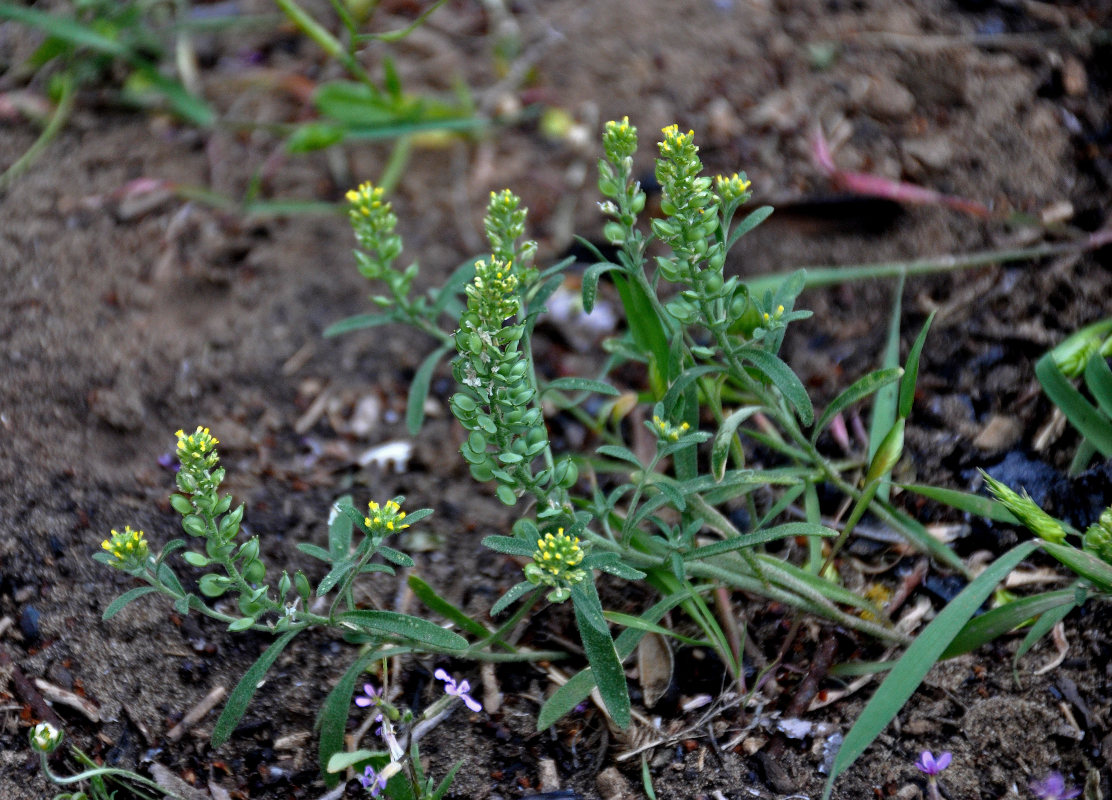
x=911, y=370
x=861, y=388
x=913, y=666
x=1080, y=412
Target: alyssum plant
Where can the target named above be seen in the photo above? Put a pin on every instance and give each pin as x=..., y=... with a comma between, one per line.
x=234, y=589
x=713, y=376
x=713, y=380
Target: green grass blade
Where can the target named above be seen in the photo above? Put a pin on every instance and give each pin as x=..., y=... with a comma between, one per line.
x=860, y=389
x=358, y=322
x=964, y=501
x=63, y=28
x=1098, y=377
x=1007, y=617
x=419, y=389
x=911, y=369
x=241, y=696
x=630, y=621
x=908, y=674
x=1080, y=412
x=885, y=405
x=1083, y=563
x=1041, y=627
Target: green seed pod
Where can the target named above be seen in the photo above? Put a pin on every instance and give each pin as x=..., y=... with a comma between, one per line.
x=254, y=572
x=304, y=590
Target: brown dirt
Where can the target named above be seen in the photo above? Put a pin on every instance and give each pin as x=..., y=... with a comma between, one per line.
x=120, y=325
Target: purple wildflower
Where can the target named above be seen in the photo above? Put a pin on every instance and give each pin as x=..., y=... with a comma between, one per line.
x=930, y=765
x=459, y=690
x=372, y=698
x=1053, y=787
x=376, y=782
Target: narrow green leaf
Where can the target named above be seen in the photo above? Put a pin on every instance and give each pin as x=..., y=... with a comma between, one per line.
x=125, y=598
x=998, y=621
x=589, y=282
x=860, y=389
x=453, y=287
x=340, y=526
x=341, y=761
x=241, y=696
x=315, y=551
x=723, y=439
x=619, y=452
x=334, y=576
x=170, y=579
x=581, y=385
x=645, y=326
x=1098, y=377
x=782, y=377
x=964, y=501
x=759, y=537
x=444, y=785
x=751, y=221
x=358, y=322
x=1083, y=563
x=681, y=384
x=911, y=370
x=887, y=399
x=606, y=667
x=630, y=621
x=434, y=602
x=333, y=717
x=510, y=597
x=391, y=623
x=906, y=676
x=1079, y=411
x=1041, y=627
x=395, y=556
x=510, y=545
x=419, y=388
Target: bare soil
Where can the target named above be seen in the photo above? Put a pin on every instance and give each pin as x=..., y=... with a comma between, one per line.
x=123, y=320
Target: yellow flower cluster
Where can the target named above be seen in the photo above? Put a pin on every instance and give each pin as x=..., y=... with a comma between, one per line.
x=198, y=448
x=668, y=431
x=385, y=518
x=769, y=318
x=129, y=547
x=676, y=143
x=493, y=292
x=559, y=553
x=619, y=139
x=366, y=199
x=733, y=187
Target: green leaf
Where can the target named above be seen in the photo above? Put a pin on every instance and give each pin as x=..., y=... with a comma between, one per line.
x=451, y=288
x=313, y=136
x=395, y=556
x=589, y=282
x=391, y=623
x=906, y=676
x=241, y=624
x=1007, y=617
x=619, y=452
x=720, y=449
x=341, y=761
x=358, y=322
x=419, y=388
x=245, y=690
x=510, y=545
x=334, y=576
x=782, y=377
x=437, y=604
x=1098, y=377
x=125, y=598
x=751, y=221
x=1083, y=563
x=759, y=537
x=315, y=551
x=1041, y=627
x=887, y=399
x=606, y=667
x=581, y=385
x=645, y=326
x=911, y=370
x=964, y=501
x=630, y=621
x=510, y=597
x=444, y=785
x=679, y=386
x=1080, y=412
x=334, y=713
x=860, y=389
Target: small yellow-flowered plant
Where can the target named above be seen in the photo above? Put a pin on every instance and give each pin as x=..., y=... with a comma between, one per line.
x=385, y=519
x=732, y=188
x=668, y=431
x=198, y=449
x=129, y=547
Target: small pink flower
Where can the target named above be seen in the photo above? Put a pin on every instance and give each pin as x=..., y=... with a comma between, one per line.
x=459, y=690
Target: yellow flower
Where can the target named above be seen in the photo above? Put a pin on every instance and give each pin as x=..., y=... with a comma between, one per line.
x=558, y=553
x=129, y=547
x=386, y=518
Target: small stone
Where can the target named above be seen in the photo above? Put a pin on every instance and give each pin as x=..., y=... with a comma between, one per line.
x=933, y=152
x=612, y=785
x=887, y=99
x=1001, y=433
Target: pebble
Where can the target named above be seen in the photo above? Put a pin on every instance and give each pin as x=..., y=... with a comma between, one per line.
x=888, y=99
x=933, y=152
x=29, y=623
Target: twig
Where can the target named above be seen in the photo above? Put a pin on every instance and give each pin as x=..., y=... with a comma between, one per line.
x=208, y=702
